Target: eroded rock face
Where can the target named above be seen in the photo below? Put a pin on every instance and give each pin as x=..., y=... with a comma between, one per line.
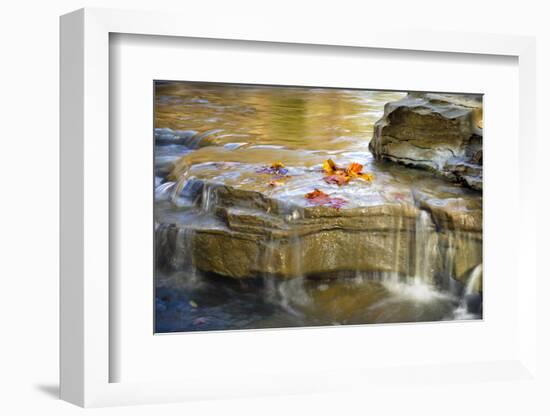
x=243, y=233
x=439, y=132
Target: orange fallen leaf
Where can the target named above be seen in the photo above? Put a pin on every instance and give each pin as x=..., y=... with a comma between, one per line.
x=315, y=194
x=339, y=178
x=354, y=169
x=318, y=197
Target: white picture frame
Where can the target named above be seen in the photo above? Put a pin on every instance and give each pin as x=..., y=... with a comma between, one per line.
x=86, y=356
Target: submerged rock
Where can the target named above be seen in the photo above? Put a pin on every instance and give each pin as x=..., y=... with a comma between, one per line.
x=166, y=136
x=439, y=132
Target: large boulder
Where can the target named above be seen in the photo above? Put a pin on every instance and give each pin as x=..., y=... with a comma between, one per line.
x=439, y=132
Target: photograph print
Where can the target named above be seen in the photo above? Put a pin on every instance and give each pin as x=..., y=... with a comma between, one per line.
x=290, y=206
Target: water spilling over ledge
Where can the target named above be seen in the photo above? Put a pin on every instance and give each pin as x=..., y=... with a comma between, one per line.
x=234, y=251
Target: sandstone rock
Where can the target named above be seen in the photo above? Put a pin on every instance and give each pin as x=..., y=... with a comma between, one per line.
x=251, y=233
x=439, y=132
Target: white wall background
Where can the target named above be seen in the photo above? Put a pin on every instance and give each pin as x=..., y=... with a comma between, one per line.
x=29, y=207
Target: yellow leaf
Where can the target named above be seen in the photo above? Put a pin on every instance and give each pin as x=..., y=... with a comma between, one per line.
x=193, y=304
x=369, y=177
x=329, y=166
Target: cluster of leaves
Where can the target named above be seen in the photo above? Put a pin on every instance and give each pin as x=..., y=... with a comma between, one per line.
x=334, y=175
x=278, y=170
x=341, y=176
x=318, y=197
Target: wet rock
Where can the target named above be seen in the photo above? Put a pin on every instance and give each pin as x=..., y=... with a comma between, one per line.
x=250, y=233
x=164, y=165
x=166, y=136
x=439, y=132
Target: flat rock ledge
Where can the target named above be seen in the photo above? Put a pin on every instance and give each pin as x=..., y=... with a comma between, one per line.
x=439, y=132
x=252, y=234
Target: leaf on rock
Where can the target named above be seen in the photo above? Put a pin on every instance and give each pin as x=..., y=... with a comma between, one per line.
x=354, y=169
x=276, y=168
x=369, y=177
x=318, y=197
x=339, y=176
x=329, y=166
x=315, y=194
x=278, y=180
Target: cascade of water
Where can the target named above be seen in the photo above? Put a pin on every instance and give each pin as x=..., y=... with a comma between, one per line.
x=448, y=262
x=401, y=255
x=470, y=305
x=474, y=280
x=163, y=246
x=184, y=257
x=187, y=191
x=397, y=248
x=164, y=191
x=290, y=292
x=426, y=248
x=209, y=199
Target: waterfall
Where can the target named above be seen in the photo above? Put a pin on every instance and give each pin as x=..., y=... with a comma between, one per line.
x=186, y=260
x=174, y=242
x=164, y=191
x=470, y=306
x=426, y=248
x=397, y=247
x=209, y=199
x=474, y=280
x=290, y=292
x=448, y=281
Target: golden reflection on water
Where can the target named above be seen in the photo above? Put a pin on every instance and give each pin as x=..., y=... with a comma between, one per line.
x=304, y=119
x=246, y=127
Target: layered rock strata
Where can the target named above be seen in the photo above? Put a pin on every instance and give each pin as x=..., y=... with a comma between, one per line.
x=439, y=132
x=244, y=234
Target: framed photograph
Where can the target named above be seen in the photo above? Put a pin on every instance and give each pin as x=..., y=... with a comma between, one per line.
x=268, y=212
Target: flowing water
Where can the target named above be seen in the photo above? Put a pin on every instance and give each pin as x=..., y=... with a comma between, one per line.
x=211, y=135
